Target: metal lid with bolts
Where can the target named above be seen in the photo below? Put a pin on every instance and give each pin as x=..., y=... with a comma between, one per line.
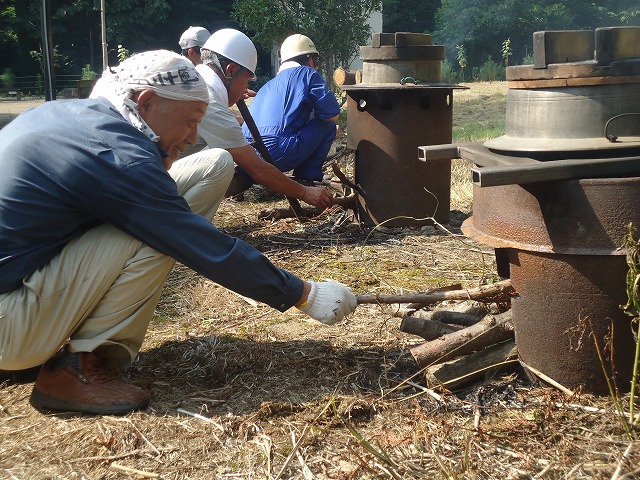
x=582, y=104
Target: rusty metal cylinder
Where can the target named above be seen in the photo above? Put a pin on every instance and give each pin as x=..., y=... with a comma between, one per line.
x=396, y=109
x=562, y=242
x=385, y=127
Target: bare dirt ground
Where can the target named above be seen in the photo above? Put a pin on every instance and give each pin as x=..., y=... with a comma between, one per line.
x=280, y=396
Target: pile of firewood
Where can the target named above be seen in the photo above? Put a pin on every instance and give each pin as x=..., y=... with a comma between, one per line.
x=469, y=333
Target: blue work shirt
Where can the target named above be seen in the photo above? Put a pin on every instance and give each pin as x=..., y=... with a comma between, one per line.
x=286, y=103
x=68, y=166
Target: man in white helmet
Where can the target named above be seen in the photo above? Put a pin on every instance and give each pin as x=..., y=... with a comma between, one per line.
x=229, y=60
x=296, y=112
x=95, y=210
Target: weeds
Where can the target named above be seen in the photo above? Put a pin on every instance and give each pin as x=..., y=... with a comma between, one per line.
x=632, y=308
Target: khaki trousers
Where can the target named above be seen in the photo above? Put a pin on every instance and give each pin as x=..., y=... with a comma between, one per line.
x=103, y=287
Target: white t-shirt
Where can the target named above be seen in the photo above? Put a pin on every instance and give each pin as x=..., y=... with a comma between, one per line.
x=219, y=127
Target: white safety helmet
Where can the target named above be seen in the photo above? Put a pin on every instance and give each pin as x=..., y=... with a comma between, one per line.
x=235, y=46
x=295, y=45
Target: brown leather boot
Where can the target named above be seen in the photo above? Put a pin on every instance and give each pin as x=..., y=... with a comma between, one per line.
x=86, y=382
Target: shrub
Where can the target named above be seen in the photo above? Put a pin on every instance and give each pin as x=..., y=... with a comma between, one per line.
x=490, y=71
x=528, y=59
x=88, y=73
x=448, y=74
x=8, y=79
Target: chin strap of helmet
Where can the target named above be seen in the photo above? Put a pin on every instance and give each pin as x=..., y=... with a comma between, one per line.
x=212, y=60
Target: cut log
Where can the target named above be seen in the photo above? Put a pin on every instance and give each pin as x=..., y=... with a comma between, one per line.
x=347, y=77
x=476, y=308
x=472, y=307
x=502, y=288
x=473, y=367
x=490, y=330
x=426, y=329
x=455, y=318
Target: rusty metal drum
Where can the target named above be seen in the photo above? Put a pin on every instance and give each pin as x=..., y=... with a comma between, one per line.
x=400, y=105
x=562, y=242
x=385, y=127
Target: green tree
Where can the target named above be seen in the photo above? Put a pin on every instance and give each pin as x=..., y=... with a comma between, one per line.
x=482, y=25
x=337, y=27
x=76, y=28
x=461, y=56
x=409, y=15
x=506, y=51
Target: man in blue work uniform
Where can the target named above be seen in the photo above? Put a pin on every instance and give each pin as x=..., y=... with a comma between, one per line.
x=296, y=112
x=94, y=211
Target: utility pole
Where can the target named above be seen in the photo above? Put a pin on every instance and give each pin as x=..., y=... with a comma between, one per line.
x=103, y=23
x=47, y=51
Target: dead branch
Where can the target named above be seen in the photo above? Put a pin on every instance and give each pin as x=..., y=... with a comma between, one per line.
x=418, y=306
x=483, y=291
x=287, y=212
x=304, y=212
x=547, y=379
x=345, y=201
x=472, y=367
x=426, y=329
x=490, y=330
x=456, y=318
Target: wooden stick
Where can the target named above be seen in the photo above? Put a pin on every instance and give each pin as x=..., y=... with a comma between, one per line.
x=483, y=291
x=467, y=307
x=418, y=306
x=304, y=212
x=133, y=470
x=347, y=200
x=294, y=203
x=490, y=330
x=547, y=379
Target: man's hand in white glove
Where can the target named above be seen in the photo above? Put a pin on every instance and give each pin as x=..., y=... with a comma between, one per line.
x=329, y=302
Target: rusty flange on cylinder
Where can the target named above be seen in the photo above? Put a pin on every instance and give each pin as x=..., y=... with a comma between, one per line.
x=562, y=242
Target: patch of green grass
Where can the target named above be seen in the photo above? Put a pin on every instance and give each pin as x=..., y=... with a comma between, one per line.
x=479, y=119
x=476, y=132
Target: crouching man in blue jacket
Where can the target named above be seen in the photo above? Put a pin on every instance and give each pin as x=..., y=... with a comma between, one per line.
x=93, y=215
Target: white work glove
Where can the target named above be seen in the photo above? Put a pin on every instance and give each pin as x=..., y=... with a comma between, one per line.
x=329, y=302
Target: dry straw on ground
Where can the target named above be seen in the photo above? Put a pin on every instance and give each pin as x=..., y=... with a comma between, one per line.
x=241, y=391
